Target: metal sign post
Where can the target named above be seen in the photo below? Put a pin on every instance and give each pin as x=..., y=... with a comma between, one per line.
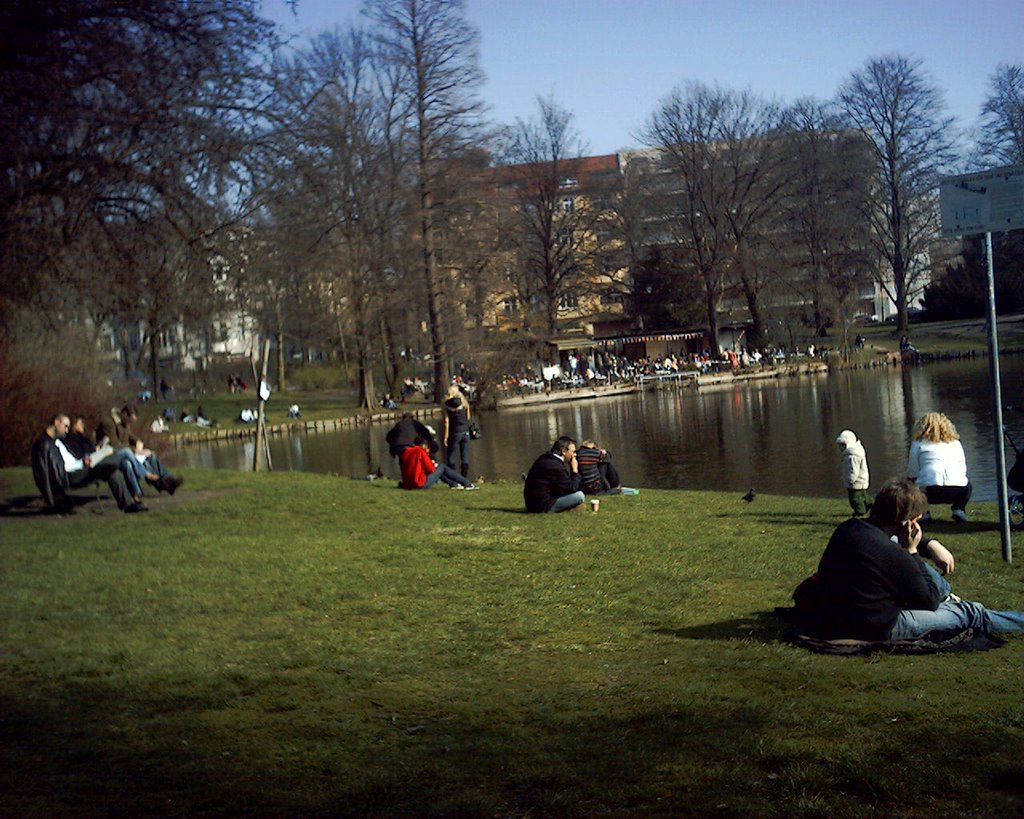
x=972, y=204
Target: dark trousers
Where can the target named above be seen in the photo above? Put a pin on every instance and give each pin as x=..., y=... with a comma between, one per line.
x=106, y=470
x=955, y=496
x=459, y=442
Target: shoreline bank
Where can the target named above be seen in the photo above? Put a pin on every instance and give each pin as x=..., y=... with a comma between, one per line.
x=710, y=381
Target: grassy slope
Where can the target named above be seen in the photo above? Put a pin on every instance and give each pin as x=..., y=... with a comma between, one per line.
x=295, y=643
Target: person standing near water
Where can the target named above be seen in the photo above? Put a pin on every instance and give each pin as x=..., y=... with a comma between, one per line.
x=456, y=428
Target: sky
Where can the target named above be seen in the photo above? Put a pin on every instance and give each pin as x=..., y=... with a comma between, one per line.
x=610, y=62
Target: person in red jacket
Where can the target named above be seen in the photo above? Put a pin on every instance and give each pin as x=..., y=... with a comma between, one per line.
x=420, y=472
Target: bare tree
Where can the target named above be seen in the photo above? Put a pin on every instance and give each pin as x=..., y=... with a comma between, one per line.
x=120, y=114
x=556, y=238
x=897, y=107
x=830, y=172
x=1001, y=137
x=344, y=162
x=721, y=148
x=435, y=48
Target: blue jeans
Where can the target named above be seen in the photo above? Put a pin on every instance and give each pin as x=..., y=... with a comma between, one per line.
x=135, y=471
x=447, y=475
x=954, y=614
x=568, y=502
x=459, y=441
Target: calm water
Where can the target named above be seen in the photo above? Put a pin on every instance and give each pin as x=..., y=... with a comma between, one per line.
x=777, y=435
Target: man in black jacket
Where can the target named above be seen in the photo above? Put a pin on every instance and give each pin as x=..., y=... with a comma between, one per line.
x=404, y=434
x=52, y=477
x=553, y=482
x=875, y=585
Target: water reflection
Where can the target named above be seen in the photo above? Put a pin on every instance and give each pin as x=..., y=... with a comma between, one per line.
x=776, y=435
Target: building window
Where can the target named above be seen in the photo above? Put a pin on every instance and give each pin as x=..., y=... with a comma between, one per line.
x=568, y=182
x=568, y=301
x=568, y=205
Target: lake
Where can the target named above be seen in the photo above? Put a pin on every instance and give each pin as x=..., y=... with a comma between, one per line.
x=777, y=435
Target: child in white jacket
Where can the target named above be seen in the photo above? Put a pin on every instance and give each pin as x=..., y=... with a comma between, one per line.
x=855, y=472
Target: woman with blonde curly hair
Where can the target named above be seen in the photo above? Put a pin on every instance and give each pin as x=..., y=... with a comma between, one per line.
x=938, y=464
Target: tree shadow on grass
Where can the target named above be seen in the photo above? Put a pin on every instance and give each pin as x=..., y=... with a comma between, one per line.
x=208, y=746
x=779, y=517
x=147, y=754
x=942, y=528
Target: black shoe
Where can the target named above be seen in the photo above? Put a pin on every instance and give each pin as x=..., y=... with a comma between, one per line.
x=171, y=484
x=136, y=507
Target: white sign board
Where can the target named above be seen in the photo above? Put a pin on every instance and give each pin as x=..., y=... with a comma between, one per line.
x=987, y=202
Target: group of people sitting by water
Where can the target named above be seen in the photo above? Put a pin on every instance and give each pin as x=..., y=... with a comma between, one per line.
x=561, y=478
x=65, y=456
x=873, y=581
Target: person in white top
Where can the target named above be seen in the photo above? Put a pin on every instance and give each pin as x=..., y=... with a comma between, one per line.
x=938, y=464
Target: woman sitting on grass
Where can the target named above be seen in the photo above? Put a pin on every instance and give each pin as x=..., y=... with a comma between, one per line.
x=420, y=472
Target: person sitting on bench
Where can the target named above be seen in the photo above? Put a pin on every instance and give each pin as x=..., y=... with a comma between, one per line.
x=55, y=470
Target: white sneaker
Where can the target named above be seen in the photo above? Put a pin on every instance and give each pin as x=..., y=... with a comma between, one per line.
x=960, y=516
x=471, y=486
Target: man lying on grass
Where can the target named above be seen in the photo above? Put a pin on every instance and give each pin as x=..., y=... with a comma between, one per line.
x=875, y=585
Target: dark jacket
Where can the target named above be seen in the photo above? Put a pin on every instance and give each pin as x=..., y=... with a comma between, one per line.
x=404, y=433
x=548, y=479
x=116, y=428
x=458, y=421
x=79, y=444
x=866, y=581
x=48, y=470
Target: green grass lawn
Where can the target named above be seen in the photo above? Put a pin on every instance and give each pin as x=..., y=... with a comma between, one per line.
x=299, y=644
x=944, y=337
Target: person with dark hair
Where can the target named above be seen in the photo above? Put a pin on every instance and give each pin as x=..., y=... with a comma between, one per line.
x=404, y=434
x=874, y=584
x=55, y=470
x=78, y=441
x=137, y=462
x=420, y=472
x=553, y=482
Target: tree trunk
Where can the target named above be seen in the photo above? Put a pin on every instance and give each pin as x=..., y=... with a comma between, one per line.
x=344, y=348
x=279, y=340
x=711, y=306
x=154, y=358
x=754, y=308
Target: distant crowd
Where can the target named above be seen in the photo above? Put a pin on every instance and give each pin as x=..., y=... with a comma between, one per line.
x=574, y=370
